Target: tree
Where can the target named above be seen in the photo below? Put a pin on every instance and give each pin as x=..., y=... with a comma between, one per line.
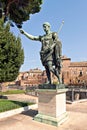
x=11, y=54
x=19, y=10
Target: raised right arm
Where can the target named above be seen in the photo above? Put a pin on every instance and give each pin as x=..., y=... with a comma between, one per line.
x=31, y=37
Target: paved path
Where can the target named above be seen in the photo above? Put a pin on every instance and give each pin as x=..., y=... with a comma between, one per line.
x=77, y=120
x=22, y=97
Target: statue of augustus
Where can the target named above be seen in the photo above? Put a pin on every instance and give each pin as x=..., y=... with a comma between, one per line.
x=51, y=51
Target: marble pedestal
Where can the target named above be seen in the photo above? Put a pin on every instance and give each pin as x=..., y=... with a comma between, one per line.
x=51, y=106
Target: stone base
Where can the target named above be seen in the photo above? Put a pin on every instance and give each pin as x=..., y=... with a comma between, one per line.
x=51, y=106
x=51, y=120
x=51, y=86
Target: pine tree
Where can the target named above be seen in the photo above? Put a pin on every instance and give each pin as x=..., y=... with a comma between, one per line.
x=19, y=10
x=11, y=54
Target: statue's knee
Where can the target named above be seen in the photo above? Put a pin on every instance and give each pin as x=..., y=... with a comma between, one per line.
x=51, y=69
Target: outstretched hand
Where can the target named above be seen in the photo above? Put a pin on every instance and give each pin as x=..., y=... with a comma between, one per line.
x=22, y=31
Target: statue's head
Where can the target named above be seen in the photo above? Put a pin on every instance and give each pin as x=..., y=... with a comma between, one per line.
x=46, y=24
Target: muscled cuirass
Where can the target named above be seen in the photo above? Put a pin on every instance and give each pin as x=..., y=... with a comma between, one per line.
x=46, y=41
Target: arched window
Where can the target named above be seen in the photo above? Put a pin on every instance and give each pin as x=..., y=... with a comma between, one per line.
x=80, y=73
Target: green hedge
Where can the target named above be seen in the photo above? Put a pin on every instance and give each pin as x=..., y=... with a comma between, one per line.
x=6, y=105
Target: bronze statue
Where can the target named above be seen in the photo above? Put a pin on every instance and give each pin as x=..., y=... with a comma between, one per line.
x=51, y=51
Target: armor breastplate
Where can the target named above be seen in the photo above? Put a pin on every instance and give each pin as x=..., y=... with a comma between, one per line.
x=47, y=41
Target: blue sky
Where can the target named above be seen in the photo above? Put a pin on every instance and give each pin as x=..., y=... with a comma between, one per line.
x=73, y=34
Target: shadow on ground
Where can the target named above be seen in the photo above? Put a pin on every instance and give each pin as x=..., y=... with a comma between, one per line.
x=3, y=97
x=30, y=113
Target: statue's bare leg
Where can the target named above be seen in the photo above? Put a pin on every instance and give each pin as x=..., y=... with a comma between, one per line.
x=54, y=71
x=48, y=75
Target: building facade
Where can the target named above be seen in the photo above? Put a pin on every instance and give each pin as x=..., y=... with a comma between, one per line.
x=72, y=73
x=33, y=77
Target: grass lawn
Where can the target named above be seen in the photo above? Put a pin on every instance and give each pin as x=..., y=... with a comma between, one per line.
x=6, y=105
x=12, y=92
